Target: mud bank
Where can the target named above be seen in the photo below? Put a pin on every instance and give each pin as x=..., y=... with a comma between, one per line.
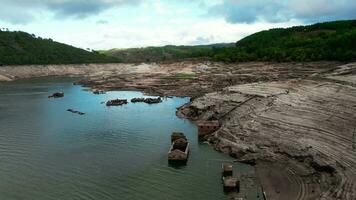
x=32, y=71
x=298, y=132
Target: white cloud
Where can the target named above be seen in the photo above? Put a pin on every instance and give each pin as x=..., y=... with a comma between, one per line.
x=242, y=11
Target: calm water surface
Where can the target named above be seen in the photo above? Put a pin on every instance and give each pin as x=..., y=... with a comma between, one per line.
x=110, y=153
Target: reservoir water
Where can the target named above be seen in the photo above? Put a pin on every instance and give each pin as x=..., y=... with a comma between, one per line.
x=47, y=153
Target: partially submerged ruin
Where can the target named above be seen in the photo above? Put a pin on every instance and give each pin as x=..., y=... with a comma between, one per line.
x=230, y=182
x=178, y=153
x=206, y=128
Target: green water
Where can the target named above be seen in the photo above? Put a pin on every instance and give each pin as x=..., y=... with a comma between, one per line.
x=110, y=153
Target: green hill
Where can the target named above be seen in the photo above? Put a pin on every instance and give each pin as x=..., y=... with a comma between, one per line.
x=323, y=41
x=165, y=53
x=19, y=48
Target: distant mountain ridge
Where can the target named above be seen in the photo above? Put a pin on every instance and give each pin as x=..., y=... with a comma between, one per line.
x=165, y=53
x=20, y=48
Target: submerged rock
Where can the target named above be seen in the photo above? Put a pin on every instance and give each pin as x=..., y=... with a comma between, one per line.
x=57, y=95
x=99, y=92
x=75, y=112
x=137, y=100
x=153, y=100
x=147, y=100
x=116, y=102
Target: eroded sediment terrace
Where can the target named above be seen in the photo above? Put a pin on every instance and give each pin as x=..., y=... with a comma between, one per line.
x=298, y=132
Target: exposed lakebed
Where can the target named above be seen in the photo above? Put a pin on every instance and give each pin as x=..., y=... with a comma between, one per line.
x=120, y=152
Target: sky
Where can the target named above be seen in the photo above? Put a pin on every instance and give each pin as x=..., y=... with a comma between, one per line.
x=107, y=24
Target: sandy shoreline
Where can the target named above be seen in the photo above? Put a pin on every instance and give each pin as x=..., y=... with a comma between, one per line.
x=296, y=128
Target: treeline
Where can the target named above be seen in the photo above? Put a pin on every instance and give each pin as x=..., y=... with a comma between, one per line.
x=20, y=48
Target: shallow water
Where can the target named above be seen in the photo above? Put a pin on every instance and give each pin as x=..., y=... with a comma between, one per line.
x=109, y=153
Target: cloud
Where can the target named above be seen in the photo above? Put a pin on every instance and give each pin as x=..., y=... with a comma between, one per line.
x=19, y=11
x=242, y=11
x=84, y=8
x=10, y=14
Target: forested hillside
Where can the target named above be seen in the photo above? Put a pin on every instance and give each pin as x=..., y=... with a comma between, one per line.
x=19, y=48
x=323, y=41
